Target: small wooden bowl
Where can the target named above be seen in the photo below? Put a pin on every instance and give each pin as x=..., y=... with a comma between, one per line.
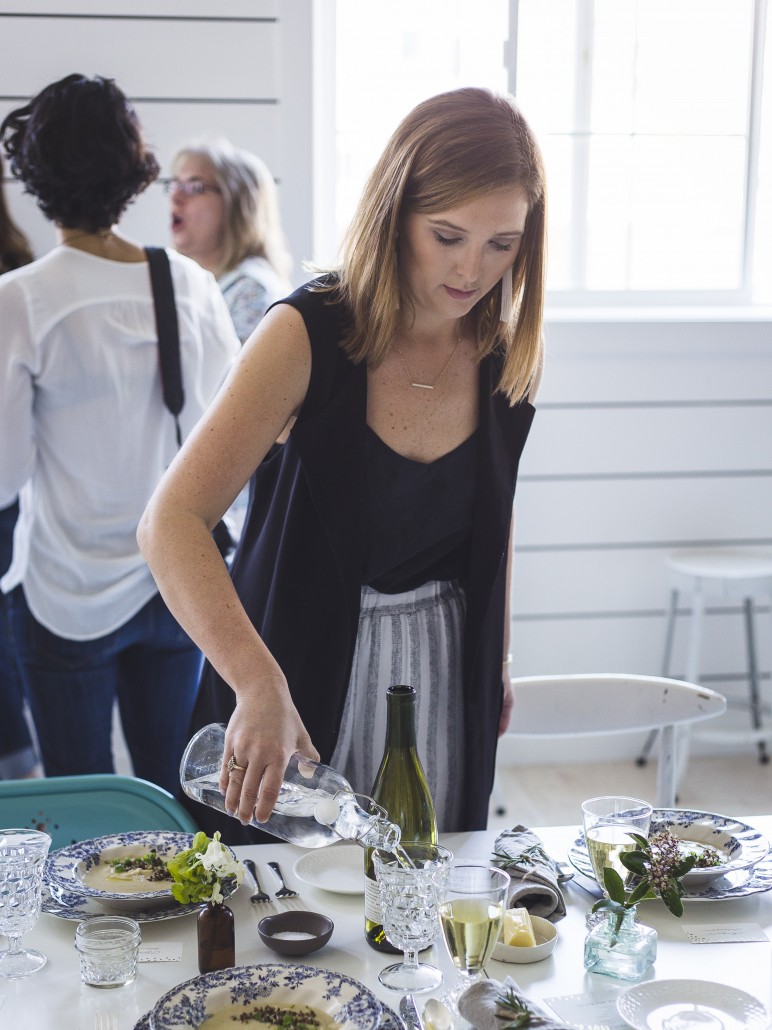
x=315, y=928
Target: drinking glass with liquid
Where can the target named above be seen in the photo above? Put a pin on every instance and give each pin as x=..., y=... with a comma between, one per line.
x=471, y=914
x=608, y=824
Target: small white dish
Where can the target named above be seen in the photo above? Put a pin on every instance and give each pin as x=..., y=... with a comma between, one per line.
x=667, y=1004
x=339, y=868
x=546, y=938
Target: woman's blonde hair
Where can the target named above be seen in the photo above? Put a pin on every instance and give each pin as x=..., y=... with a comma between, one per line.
x=451, y=149
x=252, y=225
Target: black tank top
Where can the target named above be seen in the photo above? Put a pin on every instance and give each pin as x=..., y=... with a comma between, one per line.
x=418, y=515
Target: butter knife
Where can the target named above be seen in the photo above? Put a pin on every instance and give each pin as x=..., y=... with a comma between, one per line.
x=409, y=1013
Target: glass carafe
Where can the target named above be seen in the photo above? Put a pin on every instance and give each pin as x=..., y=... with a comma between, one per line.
x=316, y=805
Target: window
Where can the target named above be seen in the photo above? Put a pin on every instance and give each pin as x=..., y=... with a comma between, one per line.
x=656, y=134
x=389, y=57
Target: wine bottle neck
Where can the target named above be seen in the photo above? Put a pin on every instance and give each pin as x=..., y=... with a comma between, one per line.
x=400, y=718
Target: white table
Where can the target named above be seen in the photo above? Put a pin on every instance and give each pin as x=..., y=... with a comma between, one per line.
x=55, y=999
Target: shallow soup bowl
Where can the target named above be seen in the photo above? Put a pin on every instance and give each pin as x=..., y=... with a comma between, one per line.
x=85, y=868
x=207, y=1001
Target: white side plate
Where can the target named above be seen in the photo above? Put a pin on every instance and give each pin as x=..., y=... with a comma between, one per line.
x=659, y=1004
x=339, y=868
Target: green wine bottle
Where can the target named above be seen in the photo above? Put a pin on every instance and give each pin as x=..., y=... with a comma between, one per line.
x=401, y=788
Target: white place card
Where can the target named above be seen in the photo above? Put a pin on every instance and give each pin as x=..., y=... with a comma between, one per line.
x=723, y=933
x=164, y=951
x=596, y=1011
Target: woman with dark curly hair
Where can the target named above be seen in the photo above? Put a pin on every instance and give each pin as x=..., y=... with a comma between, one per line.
x=85, y=437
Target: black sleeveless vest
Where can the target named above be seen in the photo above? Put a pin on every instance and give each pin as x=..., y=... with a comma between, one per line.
x=299, y=566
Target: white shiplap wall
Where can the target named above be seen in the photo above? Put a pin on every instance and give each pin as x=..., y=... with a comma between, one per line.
x=239, y=68
x=651, y=433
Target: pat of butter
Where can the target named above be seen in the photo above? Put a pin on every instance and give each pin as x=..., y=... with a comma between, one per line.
x=517, y=928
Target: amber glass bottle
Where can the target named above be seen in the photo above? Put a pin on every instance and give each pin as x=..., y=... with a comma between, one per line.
x=216, y=938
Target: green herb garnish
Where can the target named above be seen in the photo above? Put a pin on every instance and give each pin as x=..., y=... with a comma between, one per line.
x=516, y=1012
x=200, y=872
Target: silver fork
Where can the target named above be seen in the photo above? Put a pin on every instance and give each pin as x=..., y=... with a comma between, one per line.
x=258, y=896
x=106, y=1021
x=284, y=891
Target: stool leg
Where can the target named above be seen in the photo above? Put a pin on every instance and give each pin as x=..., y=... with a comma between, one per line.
x=753, y=677
x=669, y=634
x=692, y=674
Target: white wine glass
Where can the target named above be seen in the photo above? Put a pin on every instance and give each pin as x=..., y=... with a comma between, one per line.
x=609, y=822
x=471, y=914
x=22, y=855
x=411, y=885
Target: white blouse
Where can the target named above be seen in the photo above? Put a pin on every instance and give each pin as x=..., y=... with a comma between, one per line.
x=83, y=425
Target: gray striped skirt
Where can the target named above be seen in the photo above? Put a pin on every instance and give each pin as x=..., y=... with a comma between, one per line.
x=414, y=638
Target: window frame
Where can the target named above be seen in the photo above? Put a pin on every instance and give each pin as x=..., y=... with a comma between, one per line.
x=586, y=297
x=576, y=298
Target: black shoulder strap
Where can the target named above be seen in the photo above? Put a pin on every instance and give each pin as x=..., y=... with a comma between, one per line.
x=168, y=333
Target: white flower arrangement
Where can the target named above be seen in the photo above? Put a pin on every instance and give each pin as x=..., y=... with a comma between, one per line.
x=200, y=871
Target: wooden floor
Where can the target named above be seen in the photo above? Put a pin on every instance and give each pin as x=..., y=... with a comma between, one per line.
x=547, y=795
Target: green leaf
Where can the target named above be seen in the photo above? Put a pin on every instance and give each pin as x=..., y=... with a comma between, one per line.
x=684, y=865
x=606, y=904
x=639, y=892
x=642, y=842
x=672, y=899
x=614, y=884
x=635, y=861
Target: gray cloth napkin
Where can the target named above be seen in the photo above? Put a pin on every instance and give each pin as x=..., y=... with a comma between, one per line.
x=479, y=1006
x=534, y=874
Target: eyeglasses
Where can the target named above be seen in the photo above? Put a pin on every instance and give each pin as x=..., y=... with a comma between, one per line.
x=189, y=188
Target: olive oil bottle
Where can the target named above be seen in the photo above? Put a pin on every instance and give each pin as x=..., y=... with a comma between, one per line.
x=401, y=788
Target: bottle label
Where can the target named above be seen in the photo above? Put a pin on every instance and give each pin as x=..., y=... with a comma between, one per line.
x=373, y=901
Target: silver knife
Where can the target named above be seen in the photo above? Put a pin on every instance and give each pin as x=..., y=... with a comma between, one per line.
x=409, y=1013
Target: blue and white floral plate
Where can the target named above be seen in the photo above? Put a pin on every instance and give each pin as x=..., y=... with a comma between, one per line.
x=348, y=1001
x=389, y=1021
x=66, y=905
x=67, y=896
x=66, y=867
x=746, y=866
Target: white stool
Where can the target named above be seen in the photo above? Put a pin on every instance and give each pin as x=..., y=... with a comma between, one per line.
x=725, y=575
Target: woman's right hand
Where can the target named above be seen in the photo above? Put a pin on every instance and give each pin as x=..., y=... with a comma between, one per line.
x=262, y=735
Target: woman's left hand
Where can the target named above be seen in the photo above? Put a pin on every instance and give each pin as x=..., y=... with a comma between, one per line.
x=507, y=703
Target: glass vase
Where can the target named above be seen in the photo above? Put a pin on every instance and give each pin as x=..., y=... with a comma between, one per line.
x=620, y=946
x=216, y=932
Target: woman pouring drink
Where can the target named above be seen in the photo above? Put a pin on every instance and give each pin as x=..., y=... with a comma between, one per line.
x=376, y=547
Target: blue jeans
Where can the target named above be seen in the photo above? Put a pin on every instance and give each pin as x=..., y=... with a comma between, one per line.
x=17, y=754
x=149, y=664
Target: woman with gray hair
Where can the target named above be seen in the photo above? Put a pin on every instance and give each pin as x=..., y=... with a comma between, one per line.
x=225, y=215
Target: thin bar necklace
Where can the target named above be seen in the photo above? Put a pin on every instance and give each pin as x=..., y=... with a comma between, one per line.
x=436, y=383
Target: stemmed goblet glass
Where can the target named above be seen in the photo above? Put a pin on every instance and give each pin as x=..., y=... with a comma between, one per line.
x=471, y=914
x=410, y=899
x=22, y=855
x=608, y=823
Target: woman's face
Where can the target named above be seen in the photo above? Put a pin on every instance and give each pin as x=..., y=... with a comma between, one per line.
x=450, y=259
x=197, y=222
